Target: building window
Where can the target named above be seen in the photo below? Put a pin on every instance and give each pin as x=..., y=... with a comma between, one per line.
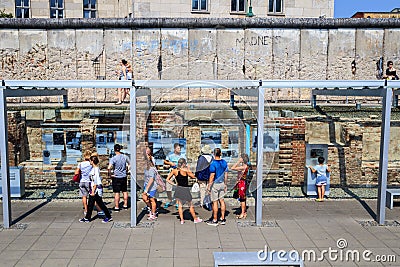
x=275, y=6
x=199, y=5
x=89, y=8
x=238, y=6
x=22, y=8
x=57, y=9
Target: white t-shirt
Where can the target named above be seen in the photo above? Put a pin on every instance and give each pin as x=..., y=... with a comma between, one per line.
x=85, y=168
x=96, y=179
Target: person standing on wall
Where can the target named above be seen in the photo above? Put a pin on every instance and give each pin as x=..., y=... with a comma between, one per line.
x=217, y=187
x=119, y=163
x=203, y=170
x=125, y=73
x=172, y=161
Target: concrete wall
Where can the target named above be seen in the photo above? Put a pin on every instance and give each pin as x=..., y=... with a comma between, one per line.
x=284, y=50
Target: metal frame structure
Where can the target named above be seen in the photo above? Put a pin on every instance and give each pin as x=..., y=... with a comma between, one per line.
x=19, y=88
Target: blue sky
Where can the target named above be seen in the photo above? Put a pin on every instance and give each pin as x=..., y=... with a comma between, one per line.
x=347, y=8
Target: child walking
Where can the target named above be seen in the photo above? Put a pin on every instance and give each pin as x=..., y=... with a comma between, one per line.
x=322, y=171
x=96, y=192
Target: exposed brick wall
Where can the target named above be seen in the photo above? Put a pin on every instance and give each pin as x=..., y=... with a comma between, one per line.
x=353, y=152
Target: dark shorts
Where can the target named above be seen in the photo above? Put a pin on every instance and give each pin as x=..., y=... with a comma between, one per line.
x=119, y=185
x=183, y=194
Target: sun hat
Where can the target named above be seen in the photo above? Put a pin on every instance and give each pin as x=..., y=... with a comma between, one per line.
x=206, y=149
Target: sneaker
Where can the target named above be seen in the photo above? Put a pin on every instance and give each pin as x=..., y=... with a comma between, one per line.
x=167, y=205
x=101, y=213
x=84, y=220
x=182, y=221
x=222, y=221
x=197, y=220
x=212, y=223
x=117, y=209
x=152, y=217
x=106, y=220
x=125, y=207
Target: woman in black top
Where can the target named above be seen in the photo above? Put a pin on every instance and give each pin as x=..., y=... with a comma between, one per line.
x=391, y=72
x=182, y=191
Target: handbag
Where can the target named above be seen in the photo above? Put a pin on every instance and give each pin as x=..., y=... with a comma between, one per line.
x=207, y=202
x=195, y=187
x=77, y=177
x=160, y=182
x=236, y=191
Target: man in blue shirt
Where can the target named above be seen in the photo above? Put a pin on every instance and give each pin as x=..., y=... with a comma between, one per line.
x=217, y=186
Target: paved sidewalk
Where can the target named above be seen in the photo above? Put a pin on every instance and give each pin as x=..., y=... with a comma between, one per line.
x=49, y=234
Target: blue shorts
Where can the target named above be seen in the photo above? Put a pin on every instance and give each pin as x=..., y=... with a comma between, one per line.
x=321, y=180
x=152, y=194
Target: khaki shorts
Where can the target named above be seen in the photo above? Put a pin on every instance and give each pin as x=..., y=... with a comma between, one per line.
x=169, y=187
x=217, y=191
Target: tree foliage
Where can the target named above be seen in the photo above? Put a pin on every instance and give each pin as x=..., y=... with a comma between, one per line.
x=3, y=14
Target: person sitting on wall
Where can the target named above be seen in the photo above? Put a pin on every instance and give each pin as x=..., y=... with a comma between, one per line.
x=390, y=72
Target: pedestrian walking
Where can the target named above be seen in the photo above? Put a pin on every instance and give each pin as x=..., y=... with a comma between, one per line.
x=83, y=169
x=96, y=192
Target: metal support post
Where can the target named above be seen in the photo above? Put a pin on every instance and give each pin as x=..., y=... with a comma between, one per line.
x=248, y=139
x=5, y=173
x=232, y=100
x=260, y=158
x=313, y=101
x=384, y=154
x=65, y=101
x=149, y=102
x=132, y=131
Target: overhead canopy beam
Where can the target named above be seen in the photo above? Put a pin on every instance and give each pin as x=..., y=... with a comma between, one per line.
x=34, y=92
x=348, y=92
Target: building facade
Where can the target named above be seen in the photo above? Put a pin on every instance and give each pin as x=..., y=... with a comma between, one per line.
x=171, y=8
x=395, y=13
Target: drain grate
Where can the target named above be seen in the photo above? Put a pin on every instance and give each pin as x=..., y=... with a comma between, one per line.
x=128, y=225
x=18, y=226
x=253, y=224
x=374, y=223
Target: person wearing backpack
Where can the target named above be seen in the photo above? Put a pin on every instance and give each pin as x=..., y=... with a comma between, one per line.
x=203, y=171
